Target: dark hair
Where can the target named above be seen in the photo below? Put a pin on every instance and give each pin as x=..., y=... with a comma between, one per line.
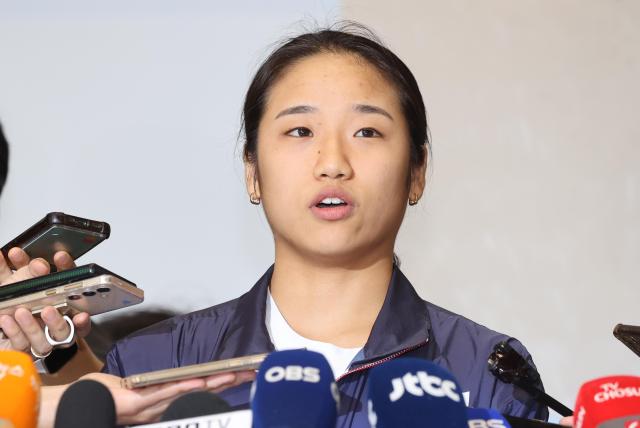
x=4, y=159
x=350, y=38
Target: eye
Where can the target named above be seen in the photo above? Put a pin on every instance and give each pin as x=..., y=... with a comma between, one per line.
x=299, y=132
x=367, y=133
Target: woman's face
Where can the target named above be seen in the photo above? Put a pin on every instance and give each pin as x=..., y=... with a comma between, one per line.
x=333, y=161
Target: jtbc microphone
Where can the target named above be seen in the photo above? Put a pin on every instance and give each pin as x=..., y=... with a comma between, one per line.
x=19, y=390
x=609, y=402
x=410, y=392
x=86, y=403
x=486, y=418
x=194, y=404
x=295, y=389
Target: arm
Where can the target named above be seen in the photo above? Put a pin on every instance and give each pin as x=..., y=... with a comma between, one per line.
x=140, y=405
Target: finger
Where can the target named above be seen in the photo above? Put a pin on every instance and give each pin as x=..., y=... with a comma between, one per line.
x=5, y=270
x=32, y=330
x=63, y=260
x=240, y=377
x=567, y=421
x=38, y=267
x=217, y=381
x=18, y=257
x=58, y=327
x=82, y=321
x=12, y=330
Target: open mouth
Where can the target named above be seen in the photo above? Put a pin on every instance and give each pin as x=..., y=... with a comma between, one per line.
x=331, y=202
x=332, y=208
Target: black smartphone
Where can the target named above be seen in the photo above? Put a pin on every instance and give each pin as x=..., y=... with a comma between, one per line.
x=90, y=288
x=629, y=335
x=59, y=232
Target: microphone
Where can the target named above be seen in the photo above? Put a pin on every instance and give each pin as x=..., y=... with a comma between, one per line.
x=295, y=388
x=410, y=392
x=19, y=389
x=86, y=403
x=510, y=367
x=609, y=402
x=486, y=418
x=194, y=404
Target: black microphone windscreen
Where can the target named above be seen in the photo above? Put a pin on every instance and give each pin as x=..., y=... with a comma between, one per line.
x=86, y=403
x=194, y=404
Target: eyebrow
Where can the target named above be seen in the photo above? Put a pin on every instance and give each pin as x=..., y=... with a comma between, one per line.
x=361, y=108
x=297, y=110
x=367, y=108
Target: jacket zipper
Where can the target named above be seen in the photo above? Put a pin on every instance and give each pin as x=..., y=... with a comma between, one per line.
x=382, y=360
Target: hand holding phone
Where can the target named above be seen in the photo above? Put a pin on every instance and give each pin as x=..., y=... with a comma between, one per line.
x=52, y=243
x=22, y=330
x=58, y=232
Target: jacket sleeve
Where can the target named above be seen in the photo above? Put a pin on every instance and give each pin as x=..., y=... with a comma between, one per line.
x=112, y=363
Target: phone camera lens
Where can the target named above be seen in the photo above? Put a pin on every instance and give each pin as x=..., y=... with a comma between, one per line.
x=89, y=293
x=75, y=297
x=103, y=290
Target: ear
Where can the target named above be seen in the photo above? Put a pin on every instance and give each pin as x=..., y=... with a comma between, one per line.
x=251, y=178
x=419, y=177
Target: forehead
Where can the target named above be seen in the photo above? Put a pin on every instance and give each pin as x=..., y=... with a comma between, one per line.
x=332, y=78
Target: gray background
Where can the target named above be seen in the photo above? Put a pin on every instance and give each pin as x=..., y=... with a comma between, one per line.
x=129, y=112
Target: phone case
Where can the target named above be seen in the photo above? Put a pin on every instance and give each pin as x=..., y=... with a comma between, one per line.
x=100, y=293
x=52, y=280
x=59, y=232
x=250, y=362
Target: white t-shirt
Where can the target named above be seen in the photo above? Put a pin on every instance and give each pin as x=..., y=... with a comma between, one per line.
x=284, y=337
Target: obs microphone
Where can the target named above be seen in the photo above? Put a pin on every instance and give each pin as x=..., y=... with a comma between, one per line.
x=410, y=392
x=609, y=402
x=19, y=390
x=295, y=389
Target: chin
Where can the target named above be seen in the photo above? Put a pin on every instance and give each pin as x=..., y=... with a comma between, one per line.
x=336, y=253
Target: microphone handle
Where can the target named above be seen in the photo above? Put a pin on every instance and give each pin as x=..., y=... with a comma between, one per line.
x=542, y=397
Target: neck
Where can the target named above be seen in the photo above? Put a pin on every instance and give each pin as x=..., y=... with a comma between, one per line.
x=328, y=302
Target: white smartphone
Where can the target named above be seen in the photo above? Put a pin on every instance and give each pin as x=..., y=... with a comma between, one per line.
x=90, y=288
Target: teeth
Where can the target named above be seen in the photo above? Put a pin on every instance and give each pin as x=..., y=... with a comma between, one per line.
x=332, y=201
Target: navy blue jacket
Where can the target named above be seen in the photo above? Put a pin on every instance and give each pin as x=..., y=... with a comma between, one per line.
x=406, y=326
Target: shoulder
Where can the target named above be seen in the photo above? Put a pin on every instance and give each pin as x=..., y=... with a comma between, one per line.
x=160, y=345
x=454, y=332
x=463, y=347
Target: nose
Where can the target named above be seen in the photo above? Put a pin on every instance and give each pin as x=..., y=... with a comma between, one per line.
x=332, y=161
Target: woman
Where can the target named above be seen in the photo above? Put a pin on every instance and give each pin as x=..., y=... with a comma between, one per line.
x=336, y=148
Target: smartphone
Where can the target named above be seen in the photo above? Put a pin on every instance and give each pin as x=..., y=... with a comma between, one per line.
x=59, y=232
x=629, y=335
x=89, y=288
x=250, y=362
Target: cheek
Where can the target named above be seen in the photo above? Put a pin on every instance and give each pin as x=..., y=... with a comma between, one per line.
x=282, y=175
x=386, y=173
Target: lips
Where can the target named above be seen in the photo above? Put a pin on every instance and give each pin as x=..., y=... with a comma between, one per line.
x=332, y=205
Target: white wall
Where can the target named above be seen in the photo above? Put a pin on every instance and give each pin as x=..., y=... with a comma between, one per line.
x=531, y=224
x=128, y=112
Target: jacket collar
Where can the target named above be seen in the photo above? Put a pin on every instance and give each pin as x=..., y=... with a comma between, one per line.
x=403, y=321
